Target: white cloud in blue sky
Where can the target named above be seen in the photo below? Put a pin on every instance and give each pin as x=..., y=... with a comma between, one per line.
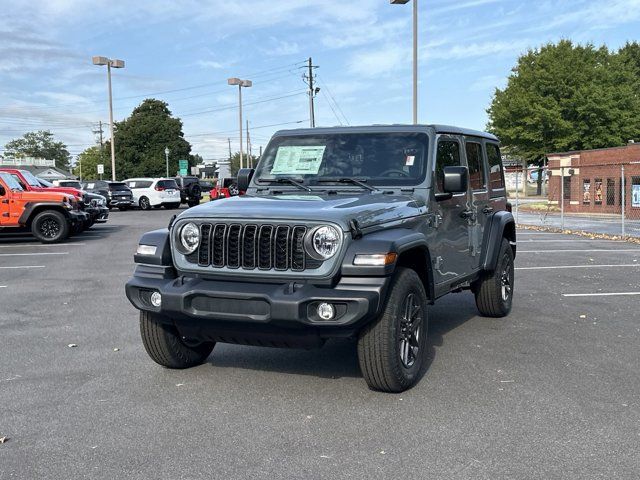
x=182, y=51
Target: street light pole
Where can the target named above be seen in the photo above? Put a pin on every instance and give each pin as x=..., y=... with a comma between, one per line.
x=166, y=158
x=415, y=55
x=115, y=64
x=240, y=83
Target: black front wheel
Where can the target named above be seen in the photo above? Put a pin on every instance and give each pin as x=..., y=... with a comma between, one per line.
x=392, y=351
x=50, y=226
x=167, y=347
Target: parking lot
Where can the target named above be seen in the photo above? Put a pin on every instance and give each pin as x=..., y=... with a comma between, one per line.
x=549, y=392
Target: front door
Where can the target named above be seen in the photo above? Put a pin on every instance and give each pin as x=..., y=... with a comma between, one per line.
x=451, y=254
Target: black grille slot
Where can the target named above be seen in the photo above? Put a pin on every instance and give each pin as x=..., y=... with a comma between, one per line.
x=264, y=247
x=217, y=242
x=233, y=246
x=204, y=253
x=281, y=247
x=250, y=247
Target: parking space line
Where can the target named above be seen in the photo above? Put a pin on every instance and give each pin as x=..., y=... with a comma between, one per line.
x=600, y=294
x=586, y=250
x=22, y=266
x=40, y=245
x=531, y=240
x=3, y=286
x=32, y=254
x=559, y=267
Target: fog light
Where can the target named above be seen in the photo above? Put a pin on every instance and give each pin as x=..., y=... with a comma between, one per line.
x=156, y=299
x=326, y=311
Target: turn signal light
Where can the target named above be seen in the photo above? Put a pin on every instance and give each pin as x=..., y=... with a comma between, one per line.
x=375, y=260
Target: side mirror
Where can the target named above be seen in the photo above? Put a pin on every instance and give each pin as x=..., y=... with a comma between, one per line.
x=3, y=192
x=244, y=178
x=456, y=179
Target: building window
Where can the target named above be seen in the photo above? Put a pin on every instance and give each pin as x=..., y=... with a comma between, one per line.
x=566, y=180
x=586, y=192
x=635, y=192
x=597, y=191
x=611, y=191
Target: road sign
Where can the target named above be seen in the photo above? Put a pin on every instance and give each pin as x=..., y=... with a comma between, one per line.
x=100, y=169
x=184, y=167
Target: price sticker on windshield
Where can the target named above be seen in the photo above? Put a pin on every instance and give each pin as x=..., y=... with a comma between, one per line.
x=298, y=160
x=411, y=159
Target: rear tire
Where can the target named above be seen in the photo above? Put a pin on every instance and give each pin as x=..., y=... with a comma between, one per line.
x=494, y=292
x=144, y=203
x=50, y=226
x=392, y=350
x=166, y=347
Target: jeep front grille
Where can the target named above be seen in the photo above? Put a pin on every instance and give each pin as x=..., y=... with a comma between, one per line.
x=250, y=247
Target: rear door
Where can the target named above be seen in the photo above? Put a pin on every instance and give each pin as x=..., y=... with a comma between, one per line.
x=480, y=205
x=451, y=253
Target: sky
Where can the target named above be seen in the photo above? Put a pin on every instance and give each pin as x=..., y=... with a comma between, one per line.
x=183, y=51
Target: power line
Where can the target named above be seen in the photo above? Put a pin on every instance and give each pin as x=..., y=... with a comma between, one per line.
x=326, y=87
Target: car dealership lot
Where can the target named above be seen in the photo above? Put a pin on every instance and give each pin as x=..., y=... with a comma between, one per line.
x=549, y=392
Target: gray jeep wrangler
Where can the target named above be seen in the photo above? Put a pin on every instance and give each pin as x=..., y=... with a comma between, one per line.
x=343, y=232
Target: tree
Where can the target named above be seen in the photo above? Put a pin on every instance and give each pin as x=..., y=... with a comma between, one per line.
x=88, y=161
x=40, y=144
x=235, y=162
x=568, y=97
x=142, y=138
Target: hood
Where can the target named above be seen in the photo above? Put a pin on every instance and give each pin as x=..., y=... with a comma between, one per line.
x=367, y=209
x=69, y=191
x=43, y=196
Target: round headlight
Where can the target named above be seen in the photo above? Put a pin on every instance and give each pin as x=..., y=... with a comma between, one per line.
x=325, y=242
x=190, y=238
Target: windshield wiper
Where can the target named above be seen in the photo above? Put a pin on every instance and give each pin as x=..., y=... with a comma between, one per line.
x=292, y=182
x=353, y=181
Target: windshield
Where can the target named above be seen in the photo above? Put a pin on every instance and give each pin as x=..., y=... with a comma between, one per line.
x=376, y=158
x=71, y=185
x=168, y=184
x=30, y=178
x=45, y=183
x=118, y=186
x=11, y=182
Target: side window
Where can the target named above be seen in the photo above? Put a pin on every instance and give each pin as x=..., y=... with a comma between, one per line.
x=496, y=177
x=145, y=184
x=476, y=166
x=17, y=179
x=448, y=155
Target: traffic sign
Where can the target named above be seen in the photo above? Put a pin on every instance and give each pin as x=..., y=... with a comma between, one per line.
x=184, y=167
x=100, y=169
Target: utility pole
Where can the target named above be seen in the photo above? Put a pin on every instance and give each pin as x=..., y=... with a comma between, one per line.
x=99, y=131
x=230, y=154
x=312, y=92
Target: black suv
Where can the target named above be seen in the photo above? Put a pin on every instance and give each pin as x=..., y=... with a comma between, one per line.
x=116, y=193
x=190, y=190
x=343, y=232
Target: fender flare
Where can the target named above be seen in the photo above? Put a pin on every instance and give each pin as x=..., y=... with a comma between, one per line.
x=160, y=240
x=30, y=207
x=501, y=224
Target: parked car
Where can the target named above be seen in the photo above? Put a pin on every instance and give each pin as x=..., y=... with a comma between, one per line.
x=344, y=232
x=95, y=205
x=49, y=216
x=117, y=193
x=154, y=192
x=225, y=188
x=31, y=183
x=190, y=190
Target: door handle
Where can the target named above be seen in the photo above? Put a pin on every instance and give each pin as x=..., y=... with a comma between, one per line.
x=466, y=214
x=487, y=210
x=5, y=201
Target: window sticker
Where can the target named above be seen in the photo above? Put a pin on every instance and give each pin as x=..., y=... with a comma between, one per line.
x=411, y=159
x=298, y=160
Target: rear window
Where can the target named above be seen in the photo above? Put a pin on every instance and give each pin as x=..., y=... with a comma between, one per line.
x=118, y=186
x=71, y=184
x=167, y=184
x=496, y=178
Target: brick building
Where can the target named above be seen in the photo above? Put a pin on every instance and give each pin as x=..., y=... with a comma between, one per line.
x=592, y=180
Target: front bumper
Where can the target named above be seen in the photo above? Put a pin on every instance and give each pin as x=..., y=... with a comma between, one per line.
x=78, y=217
x=254, y=313
x=103, y=215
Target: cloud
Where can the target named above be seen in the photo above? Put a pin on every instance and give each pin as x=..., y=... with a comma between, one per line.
x=210, y=64
x=281, y=48
x=379, y=61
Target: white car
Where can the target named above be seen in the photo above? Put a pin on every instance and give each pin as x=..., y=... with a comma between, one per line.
x=154, y=192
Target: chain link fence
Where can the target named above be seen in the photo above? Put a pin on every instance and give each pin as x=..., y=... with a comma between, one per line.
x=599, y=199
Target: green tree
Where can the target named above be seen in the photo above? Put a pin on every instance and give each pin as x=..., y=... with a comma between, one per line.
x=563, y=97
x=235, y=162
x=88, y=161
x=40, y=144
x=142, y=138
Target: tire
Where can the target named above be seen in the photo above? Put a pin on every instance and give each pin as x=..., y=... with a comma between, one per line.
x=193, y=203
x=50, y=226
x=166, y=347
x=494, y=292
x=144, y=203
x=123, y=209
x=388, y=361
x=171, y=206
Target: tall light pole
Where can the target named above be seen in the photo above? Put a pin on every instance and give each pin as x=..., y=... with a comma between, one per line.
x=240, y=83
x=166, y=158
x=110, y=63
x=415, y=55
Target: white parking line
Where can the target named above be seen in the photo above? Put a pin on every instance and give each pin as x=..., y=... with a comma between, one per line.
x=32, y=254
x=3, y=286
x=39, y=245
x=587, y=250
x=599, y=294
x=558, y=267
x=22, y=266
x=532, y=240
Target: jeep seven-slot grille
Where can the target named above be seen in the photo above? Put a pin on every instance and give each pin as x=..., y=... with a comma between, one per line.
x=250, y=247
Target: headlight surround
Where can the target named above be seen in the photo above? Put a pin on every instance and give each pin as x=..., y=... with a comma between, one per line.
x=189, y=238
x=323, y=242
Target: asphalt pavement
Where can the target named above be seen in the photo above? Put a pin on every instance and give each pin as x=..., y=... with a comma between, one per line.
x=552, y=391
